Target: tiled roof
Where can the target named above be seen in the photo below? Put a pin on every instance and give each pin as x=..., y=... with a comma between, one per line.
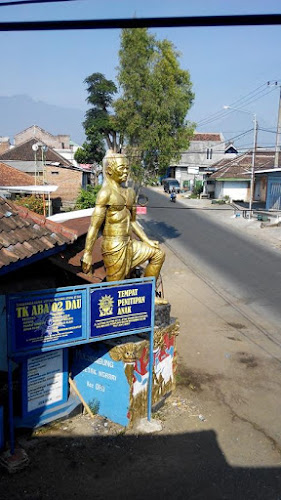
x=24, y=152
x=240, y=166
x=25, y=234
x=70, y=259
x=201, y=136
x=10, y=176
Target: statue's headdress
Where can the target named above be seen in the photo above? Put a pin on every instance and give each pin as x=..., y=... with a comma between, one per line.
x=111, y=160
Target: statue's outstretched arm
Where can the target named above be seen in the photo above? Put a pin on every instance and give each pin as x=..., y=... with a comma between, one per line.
x=96, y=222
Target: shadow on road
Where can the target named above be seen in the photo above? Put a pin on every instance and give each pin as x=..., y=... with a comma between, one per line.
x=183, y=466
x=160, y=230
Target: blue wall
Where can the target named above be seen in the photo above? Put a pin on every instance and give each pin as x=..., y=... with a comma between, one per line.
x=273, y=196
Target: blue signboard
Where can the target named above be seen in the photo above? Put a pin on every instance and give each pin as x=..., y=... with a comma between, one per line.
x=120, y=308
x=102, y=382
x=40, y=321
x=49, y=320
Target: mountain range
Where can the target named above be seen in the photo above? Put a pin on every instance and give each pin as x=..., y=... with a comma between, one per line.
x=21, y=111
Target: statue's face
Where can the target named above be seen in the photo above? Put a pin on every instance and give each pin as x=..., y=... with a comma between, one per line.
x=119, y=170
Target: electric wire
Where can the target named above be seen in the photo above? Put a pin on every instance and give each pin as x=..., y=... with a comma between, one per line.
x=223, y=114
x=132, y=156
x=30, y=2
x=145, y=22
x=234, y=103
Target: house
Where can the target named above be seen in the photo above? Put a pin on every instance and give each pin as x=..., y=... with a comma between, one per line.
x=272, y=179
x=52, y=141
x=61, y=143
x=233, y=178
x=205, y=149
x=46, y=166
x=14, y=183
x=10, y=176
x=4, y=144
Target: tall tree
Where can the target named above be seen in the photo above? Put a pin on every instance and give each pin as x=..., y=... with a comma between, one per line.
x=156, y=96
x=100, y=124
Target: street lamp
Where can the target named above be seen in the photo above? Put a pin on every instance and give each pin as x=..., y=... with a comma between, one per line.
x=253, y=153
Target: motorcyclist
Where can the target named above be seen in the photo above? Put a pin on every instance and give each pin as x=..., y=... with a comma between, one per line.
x=173, y=195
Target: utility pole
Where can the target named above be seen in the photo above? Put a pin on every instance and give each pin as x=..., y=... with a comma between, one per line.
x=252, y=183
x=252, y=178
x=278, y=132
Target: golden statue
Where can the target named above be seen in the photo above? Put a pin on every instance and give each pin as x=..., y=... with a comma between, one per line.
x=116, y=209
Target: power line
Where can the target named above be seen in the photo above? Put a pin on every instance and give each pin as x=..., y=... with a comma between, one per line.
x=245, y=102
x=145, y=22
x=270, y=131
x=28, y=2
x=221, y=112
x=248, y=95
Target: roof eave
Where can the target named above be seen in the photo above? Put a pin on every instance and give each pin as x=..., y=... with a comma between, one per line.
x=14, y=266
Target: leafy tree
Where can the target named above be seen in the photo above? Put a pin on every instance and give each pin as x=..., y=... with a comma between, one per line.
x=87, y=197
x=100, y=124
x=156, y=96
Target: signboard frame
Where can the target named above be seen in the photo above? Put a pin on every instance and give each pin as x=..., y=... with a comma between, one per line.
x=15, y=329
x=20, y=355
x=134, y=284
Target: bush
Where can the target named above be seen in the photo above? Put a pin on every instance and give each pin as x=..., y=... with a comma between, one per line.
x=87, y=197
x=198, y=188
x=152, y=181
x=33, y=203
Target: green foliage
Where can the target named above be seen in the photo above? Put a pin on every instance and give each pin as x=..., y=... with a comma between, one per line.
x=150, y=114
x=198, y=188
x=32, y=203
x=156, y=96
x=100, y=125
x=218, y=202
x=87, y=197
x=152, y=181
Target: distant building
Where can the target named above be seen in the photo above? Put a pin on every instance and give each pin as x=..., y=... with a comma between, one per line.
x=46, y=166
x=205, y=149
x=232, y=178
x=4, y=144
x=61, y=143
x=53, y=141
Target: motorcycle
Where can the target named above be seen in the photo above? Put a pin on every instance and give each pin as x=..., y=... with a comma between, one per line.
x=173, y=197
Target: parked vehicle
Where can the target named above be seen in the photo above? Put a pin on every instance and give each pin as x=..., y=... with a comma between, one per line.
x=169, y=184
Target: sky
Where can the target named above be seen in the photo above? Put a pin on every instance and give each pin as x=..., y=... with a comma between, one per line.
x=225, y=63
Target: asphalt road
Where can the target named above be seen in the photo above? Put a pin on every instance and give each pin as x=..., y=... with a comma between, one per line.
x=249, y=273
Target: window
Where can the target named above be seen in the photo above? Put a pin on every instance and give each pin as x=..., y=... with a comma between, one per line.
x=54, y=172
x=209, y=153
